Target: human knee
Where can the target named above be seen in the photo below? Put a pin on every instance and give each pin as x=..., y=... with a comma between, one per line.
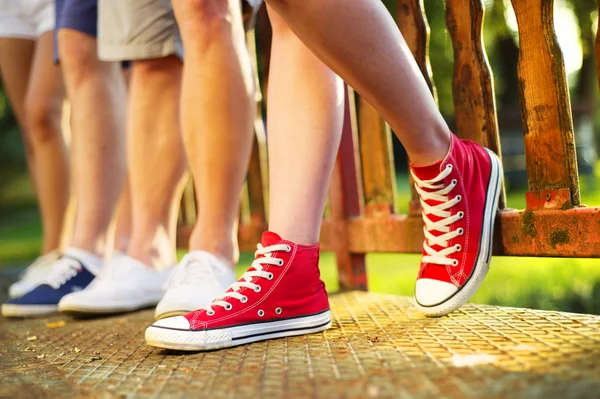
x=151, y=67
x=42, y=118
x=204, y=19
x=78, y=55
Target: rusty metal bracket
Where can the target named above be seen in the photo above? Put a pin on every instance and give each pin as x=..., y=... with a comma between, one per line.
x=559, y=199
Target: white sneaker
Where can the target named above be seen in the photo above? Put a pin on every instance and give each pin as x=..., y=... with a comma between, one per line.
x=33, y=275
x=199, y=278
x=124, y=285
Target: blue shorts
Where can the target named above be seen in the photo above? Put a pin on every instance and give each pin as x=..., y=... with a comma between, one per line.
x=79, y=15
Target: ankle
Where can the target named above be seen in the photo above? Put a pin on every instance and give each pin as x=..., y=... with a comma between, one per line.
x=295, y=233
x=121, y=244
x=157, y=255
x=225, y=249
x=432, y=151
x=95, y=246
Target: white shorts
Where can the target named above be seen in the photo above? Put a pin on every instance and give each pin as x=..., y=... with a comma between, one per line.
x=26, y=19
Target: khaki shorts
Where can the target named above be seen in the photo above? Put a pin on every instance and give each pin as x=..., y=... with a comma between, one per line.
x=145, y=29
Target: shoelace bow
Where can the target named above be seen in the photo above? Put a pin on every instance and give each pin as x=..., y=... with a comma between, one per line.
x=256, y=270
x=40, y=261
x=62, y=271
x=440, y=194
x=190, y=271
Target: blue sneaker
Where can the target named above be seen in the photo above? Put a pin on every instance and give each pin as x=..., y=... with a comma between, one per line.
x=72, y=272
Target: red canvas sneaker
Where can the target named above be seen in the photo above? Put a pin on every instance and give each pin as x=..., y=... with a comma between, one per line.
x=279, y=296
x=459, y=197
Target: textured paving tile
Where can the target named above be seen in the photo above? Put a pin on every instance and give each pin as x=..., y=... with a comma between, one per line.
x=379, y=346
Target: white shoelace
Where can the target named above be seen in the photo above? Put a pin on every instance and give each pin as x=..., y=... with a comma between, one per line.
x=441, y=210
x=62, y=271
x=256, y=270
x=41, y=261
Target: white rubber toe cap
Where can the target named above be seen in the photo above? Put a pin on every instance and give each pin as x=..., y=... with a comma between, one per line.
x=178, y=322
x=429, y=292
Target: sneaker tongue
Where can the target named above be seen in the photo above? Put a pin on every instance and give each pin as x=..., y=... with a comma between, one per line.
x=430, y=172
x=269, y=238
x=427, y=172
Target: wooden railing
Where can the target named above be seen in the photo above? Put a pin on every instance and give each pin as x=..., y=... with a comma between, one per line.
x=362, y=217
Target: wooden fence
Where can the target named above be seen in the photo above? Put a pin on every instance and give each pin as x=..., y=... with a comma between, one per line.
x=362, y=217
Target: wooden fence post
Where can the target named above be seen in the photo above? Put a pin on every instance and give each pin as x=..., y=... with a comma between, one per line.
x=379, y=177
x=346, y=200
x=258, y=178
x=545, y=108
x=472, y=83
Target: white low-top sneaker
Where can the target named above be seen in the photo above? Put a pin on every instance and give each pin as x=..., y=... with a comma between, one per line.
x=199, y=278
x=124, y=285
x=34, y=275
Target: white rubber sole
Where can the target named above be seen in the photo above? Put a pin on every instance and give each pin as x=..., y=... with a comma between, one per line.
x=482, y=264
x=201, y=340
x=11, y=310
x=81, y=309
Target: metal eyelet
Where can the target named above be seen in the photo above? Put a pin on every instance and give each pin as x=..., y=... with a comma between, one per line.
x=244, y=299
x=280, y=263
x=278, y=310
x=288, y=248
x=458, y=247
x=454, y=182
x=270, y=276
x=229, y=306
x=459, y=198
x=461, y=231
x=450, y=166
x=461, y=214
x=257, y=288
x=210, y=312
x=455, y=262
x=261, y=313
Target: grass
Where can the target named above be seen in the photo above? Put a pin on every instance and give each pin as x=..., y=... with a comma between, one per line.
x=541, y=283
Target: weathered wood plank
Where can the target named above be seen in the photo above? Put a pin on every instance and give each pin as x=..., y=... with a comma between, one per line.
x=472, y=83
x=379, y=177
x=554, y=233
x=345, y=203
x=257, y=180
x=545, y=102
x=187, y=207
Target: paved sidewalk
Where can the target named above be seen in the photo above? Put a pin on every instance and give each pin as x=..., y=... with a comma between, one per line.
x=379, y=346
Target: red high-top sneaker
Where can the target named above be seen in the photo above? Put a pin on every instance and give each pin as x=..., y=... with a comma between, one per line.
x=279, y=296
x=459, y=197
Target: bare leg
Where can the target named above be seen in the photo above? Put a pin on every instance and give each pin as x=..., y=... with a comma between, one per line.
x=364, y=46
x=124, y=222
x=16, y=57
x=47, y=149
x=156, y=159
x=34, y=86
x=98, y=99
x=217, y=114
x=305, y=108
